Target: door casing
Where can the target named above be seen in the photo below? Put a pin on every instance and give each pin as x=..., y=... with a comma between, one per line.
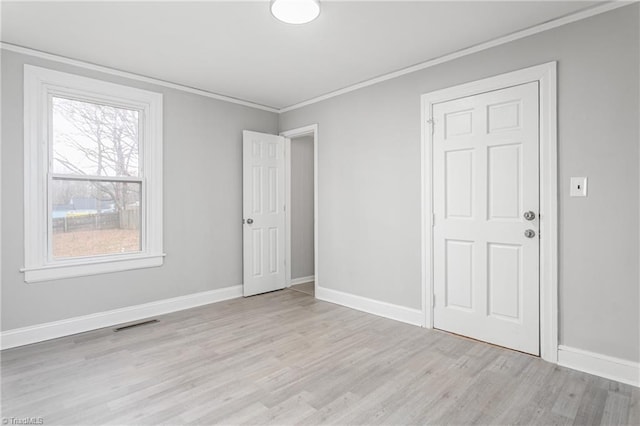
x=546, y=76
x=310, y=130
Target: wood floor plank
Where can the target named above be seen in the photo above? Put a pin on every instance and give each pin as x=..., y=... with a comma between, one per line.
x=287, y=358
x=592, y=404
x=616, y=409
x=570, y=395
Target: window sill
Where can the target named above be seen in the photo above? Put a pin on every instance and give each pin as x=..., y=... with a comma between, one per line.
x=94, y=267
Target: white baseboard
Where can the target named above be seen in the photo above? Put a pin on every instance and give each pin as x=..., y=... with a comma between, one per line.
x=383, y=309
x=302, y=280
x=67, y=327
x=605, y=366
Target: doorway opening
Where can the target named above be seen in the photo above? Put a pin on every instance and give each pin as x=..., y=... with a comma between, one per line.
x=301, y=212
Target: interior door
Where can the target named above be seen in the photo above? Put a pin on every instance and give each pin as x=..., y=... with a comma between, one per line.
x=486, y=204
x=263, y=212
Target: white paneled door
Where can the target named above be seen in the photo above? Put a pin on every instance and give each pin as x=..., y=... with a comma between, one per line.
x=486, y=225
x=263, y=212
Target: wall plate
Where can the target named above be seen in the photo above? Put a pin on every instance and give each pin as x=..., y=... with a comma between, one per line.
x=578, y=187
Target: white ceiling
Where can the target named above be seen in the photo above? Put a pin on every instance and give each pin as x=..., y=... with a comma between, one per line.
x=238, y=49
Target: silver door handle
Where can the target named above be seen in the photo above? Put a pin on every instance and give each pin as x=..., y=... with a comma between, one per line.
x=529, y=215
x=249, y=221
x=529, y=233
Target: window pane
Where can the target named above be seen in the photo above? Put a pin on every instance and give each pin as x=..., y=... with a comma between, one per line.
x=95, y=218
x=95, y=140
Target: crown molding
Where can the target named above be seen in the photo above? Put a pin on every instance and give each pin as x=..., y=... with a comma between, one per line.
x=132, y=76
x=606, y=7
x=584, y=14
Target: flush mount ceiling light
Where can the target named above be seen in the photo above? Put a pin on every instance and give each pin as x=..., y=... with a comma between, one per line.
x=295, y=11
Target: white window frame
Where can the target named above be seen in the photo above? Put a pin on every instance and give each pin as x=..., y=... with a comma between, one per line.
x=39, y=85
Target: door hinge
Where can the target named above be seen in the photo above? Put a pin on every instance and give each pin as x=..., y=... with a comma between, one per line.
x=433, y=219
x=431, y=122
x=434, y=300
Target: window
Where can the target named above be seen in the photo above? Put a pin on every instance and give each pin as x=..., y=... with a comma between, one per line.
x=93, y=176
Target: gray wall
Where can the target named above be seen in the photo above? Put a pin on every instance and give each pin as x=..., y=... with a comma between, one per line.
x=302, y=207
x=202, y=206
x=369, y=177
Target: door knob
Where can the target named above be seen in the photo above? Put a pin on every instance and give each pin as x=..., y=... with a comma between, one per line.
x=529, y=233
x=529, y=215
x=249, y=221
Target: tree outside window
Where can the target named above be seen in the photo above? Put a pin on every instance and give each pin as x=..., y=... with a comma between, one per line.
x=92, y=215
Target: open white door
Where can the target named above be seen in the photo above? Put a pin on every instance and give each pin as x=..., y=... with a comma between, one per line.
x=486, y=205
x=263, y=212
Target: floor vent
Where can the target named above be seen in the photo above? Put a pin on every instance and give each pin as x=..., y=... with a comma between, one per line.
x=138, y=324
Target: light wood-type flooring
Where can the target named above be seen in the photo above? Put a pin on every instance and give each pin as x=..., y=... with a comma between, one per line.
x=307, y=288
x=286, y=358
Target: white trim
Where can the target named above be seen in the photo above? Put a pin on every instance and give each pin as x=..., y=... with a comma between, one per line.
x=89, y=66
x=41, y=83
x=311, y=129
x=81, y=324
x=549, y=213
x=596, y=10
x=1, y=258
x=101, y=266
x=302, y=280
x=605, y=366
x=287, y=214
x=545, y=74
x=464, y=52
x=375, y=307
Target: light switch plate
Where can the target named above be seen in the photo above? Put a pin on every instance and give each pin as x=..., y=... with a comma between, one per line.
x=578, y=187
